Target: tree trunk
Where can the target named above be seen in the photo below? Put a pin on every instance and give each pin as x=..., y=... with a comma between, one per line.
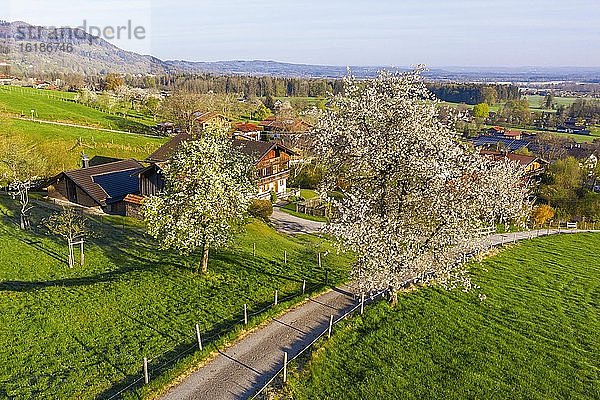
x=205, y=260
x=393, y=297
x=204, y=267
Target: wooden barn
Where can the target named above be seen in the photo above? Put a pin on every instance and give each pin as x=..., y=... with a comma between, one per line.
x=103, y=186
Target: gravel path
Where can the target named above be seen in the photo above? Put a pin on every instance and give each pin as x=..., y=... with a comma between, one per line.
x=236, y=373
x=239, y=371
x=287, y=223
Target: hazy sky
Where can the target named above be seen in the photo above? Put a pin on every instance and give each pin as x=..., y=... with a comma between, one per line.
x=344, y=32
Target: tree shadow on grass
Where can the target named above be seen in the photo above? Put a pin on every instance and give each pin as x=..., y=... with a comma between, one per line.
x=159, y=365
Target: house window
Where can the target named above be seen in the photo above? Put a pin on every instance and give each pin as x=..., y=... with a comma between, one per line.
x=275, y=168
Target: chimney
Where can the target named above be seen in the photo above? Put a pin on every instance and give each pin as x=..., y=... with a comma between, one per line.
x=85, y=161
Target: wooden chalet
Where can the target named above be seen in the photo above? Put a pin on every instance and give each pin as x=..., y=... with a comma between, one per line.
x=272, y=162
x=531, y=165
x=204, y=119
x=103, y=187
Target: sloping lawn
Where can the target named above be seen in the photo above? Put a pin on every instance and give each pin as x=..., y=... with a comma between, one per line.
x=81, y=333
x=62, y=146
x=535, y=336
x=58, y=106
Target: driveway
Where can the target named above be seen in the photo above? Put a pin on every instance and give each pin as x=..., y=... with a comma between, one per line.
x=287, y=223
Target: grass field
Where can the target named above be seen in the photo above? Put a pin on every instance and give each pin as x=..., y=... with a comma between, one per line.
x=81, y=333
x=536, y=100
x=535, y=336
x=51, y=105
x=62, y=146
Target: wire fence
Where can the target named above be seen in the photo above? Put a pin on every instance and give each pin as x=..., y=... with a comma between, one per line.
x=154, y=367
x=334, y=321
x=503, y=239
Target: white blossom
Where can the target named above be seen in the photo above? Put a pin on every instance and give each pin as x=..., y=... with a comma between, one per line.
x=414, y=194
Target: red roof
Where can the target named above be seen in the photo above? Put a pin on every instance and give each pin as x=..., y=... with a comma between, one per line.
x=133, y=198
x=245, y=127
x=498, y=156
x=498, y=128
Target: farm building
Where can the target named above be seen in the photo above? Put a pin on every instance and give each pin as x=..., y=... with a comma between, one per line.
x=203, y=119
x=103, y=186
x=276, y=126
x=271, y=161
x=531, y=165
x=247, y=131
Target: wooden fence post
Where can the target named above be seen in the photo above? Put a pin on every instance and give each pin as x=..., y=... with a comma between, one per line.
x=82, y=255
x=276, y=293
x=198, y=337
x=146, y=376
x=303, y=286
x=330, y=326
x=362, y=304
x=245, y=314
x=285, y=361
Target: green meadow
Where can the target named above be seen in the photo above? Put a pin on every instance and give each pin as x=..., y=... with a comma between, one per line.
x=531, y=331
x=57, y=106
x=62, y=146
x=82, y=333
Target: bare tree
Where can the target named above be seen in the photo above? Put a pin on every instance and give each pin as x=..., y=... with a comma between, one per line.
x=20, y=167
x=71, y=226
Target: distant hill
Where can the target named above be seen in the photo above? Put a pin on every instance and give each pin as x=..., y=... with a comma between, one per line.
x=83, y=53
x=91, y=55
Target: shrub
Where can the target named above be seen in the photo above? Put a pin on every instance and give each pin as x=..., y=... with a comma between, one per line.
x=261, y=209
x=542, y=214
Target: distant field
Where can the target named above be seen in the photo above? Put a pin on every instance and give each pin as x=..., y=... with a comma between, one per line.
x=536, y=335
x=310, y=101
x=577, y=138
x=62, y=146
x=82, y=333
x=50, y=105
x=536, y=100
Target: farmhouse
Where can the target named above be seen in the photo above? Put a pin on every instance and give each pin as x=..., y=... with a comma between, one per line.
x=276, y=126
x=247, y=131
x=203, y=119
x=272, y=162
x=531, y=165
x=103, y=187
x=496, y=130
x=516, y=135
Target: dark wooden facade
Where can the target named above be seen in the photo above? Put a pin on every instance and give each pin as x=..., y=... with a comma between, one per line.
x=151, y=181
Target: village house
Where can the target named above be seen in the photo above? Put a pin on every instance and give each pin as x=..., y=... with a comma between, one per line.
x=272, y=162
x=203, y=119
x=531, y=165
x=247, y=131
x=102, y=187
x=515, y=135
x=276, y=127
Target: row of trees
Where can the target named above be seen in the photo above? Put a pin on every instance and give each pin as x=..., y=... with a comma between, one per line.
x=473, y=93
x=246, y=86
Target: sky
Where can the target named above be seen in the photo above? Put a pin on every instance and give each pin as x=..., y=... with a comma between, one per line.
x=342, y=32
